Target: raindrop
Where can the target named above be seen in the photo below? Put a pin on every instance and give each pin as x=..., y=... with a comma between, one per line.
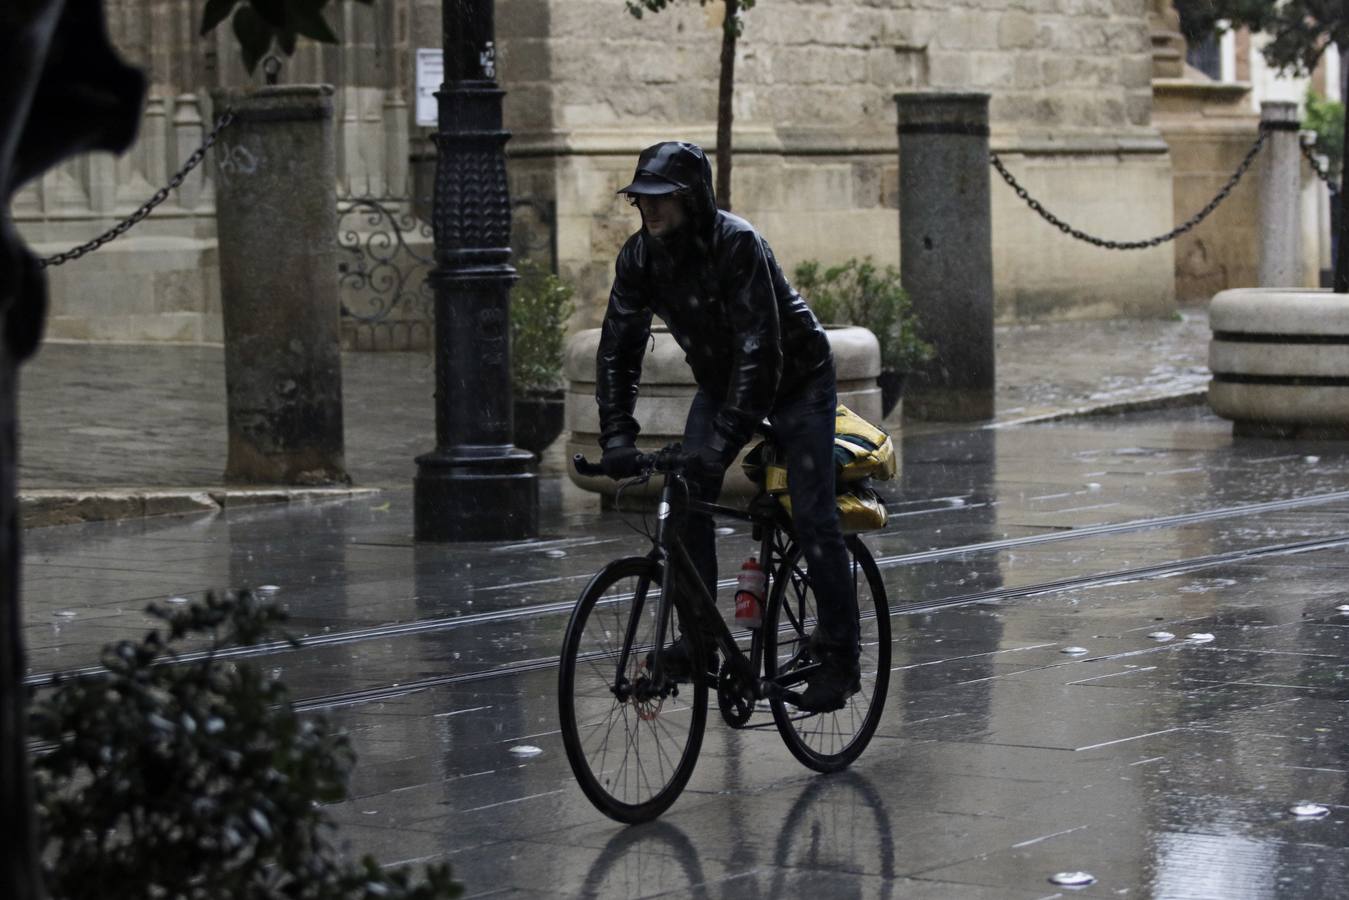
x=268, y=589
x=1199, y=637
x=1072, y=879
x=65, y=614
x=1093, y=486
x=1311, y=459
x=1343, y=607
x=555, y=554
x=177, y=600
x=1309, y=811
x=725, y=529
x=525, y=750
x=1074, y=651
x=1161, y=636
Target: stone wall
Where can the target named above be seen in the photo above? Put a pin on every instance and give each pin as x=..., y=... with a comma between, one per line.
x=589, y=86
x=160, y=281
x=816, y=151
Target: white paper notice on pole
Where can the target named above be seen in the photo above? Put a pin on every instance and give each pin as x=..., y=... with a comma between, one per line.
x=430, y=73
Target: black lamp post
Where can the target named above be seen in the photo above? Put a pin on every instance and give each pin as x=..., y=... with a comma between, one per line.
x=475, y=485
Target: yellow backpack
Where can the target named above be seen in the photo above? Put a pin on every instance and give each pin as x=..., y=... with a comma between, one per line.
x=861, y=451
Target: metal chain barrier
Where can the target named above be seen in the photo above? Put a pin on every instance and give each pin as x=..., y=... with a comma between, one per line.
x=159, y=197
x=1320, y=172
x=1133, y=245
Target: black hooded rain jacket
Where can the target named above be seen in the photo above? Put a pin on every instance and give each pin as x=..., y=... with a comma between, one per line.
x=747, y=335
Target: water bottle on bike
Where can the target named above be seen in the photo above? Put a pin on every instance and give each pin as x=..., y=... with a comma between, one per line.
x=749, y=594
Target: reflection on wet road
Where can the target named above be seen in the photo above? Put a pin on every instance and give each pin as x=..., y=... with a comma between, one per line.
x=1160, y=766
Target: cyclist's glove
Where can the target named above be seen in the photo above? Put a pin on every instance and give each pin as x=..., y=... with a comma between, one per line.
x=621, y=461
x=706, y=463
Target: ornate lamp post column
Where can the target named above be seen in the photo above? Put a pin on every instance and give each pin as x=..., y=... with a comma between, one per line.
x=475, y=485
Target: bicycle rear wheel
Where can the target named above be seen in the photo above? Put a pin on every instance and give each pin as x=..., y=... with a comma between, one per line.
x=828, y=742
x=632, y=744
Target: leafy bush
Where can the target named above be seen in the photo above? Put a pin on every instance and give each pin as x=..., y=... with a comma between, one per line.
x=857, y=293
x=540, y=307
x=195, y=778
x=1326, y=118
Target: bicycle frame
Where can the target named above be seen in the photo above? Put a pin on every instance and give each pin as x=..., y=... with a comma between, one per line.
x=669, y=550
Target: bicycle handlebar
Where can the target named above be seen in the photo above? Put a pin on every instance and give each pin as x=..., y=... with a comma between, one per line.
x=667, y=459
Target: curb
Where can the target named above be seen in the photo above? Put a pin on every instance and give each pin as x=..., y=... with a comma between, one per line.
x=1193, y=397
x=43, y=508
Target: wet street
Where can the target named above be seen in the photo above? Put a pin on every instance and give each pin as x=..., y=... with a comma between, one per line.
x=1118, y=650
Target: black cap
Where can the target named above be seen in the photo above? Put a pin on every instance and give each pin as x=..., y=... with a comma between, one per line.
x=667, y=167
x=650, y=185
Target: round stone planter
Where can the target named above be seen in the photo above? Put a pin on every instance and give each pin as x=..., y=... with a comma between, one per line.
x=1280, y=362
x=667, y=389
x=538, y=419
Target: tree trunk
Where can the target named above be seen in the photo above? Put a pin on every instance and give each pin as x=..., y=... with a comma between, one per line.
x=19, y=878
x=725, y=90
x=1342, y=244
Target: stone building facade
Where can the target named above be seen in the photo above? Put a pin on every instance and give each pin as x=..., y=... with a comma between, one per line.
x=816, y=147
x=588, y=86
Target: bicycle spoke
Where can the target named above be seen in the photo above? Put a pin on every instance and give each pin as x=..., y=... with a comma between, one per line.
x=829, y=741
x=632, y=744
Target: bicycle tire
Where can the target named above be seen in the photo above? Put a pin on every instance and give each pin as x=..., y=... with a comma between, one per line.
x=828, y=742
x=623, y=785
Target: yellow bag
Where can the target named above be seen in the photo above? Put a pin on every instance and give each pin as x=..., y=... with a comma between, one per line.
x=859, y=509
x=861, y=450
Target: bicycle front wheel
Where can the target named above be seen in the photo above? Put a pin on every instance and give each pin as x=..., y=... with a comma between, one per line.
x=828, y=742
x=631, y=743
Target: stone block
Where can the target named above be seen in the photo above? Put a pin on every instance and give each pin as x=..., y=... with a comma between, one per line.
x=1017, y=31
x=950, y=70
x=525, y=60
x=897, y=68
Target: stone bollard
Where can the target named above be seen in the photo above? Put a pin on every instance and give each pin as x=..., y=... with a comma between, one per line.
x=946, y=250
x=1280, y=197
x=1280, y=362
x=276, y=209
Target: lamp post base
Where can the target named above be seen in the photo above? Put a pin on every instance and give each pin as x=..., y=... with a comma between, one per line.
x=465, y=498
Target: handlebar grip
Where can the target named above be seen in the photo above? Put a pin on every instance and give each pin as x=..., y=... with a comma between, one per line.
x=584, y=466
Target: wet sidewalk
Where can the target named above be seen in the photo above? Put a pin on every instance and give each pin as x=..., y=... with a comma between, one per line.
x=1117, y=648
x=153, y=416
x=1118, y=644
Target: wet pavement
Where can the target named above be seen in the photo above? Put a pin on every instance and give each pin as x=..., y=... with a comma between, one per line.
x=1164, y=767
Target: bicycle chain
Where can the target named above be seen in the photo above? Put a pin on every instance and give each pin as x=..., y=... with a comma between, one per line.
x=146, y=208
x=1132, y=245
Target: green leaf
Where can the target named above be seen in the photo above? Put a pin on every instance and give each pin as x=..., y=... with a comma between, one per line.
x=285, y=39
x=255, y=36
x=307, y=19
x=216, y=12
x=273, y=12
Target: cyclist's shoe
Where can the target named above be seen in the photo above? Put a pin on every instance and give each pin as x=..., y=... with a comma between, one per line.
x=676, y=660
x=828, y=688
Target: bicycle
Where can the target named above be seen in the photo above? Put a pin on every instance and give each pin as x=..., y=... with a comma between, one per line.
x=631, y=734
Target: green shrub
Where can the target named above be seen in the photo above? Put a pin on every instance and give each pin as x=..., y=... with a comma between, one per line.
x=1326, y=118
x=858, y=293
x=540, y=306
x=195, y=778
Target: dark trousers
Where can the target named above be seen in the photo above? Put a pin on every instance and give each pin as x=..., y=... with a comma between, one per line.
x=803, y=424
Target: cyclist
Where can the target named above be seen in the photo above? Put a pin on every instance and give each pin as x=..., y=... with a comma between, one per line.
x=756, y=351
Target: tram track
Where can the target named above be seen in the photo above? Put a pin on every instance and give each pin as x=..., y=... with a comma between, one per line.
x=1136, y=573
x=446, y=623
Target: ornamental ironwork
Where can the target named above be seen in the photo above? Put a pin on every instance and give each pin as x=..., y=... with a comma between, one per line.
x=378, y=269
